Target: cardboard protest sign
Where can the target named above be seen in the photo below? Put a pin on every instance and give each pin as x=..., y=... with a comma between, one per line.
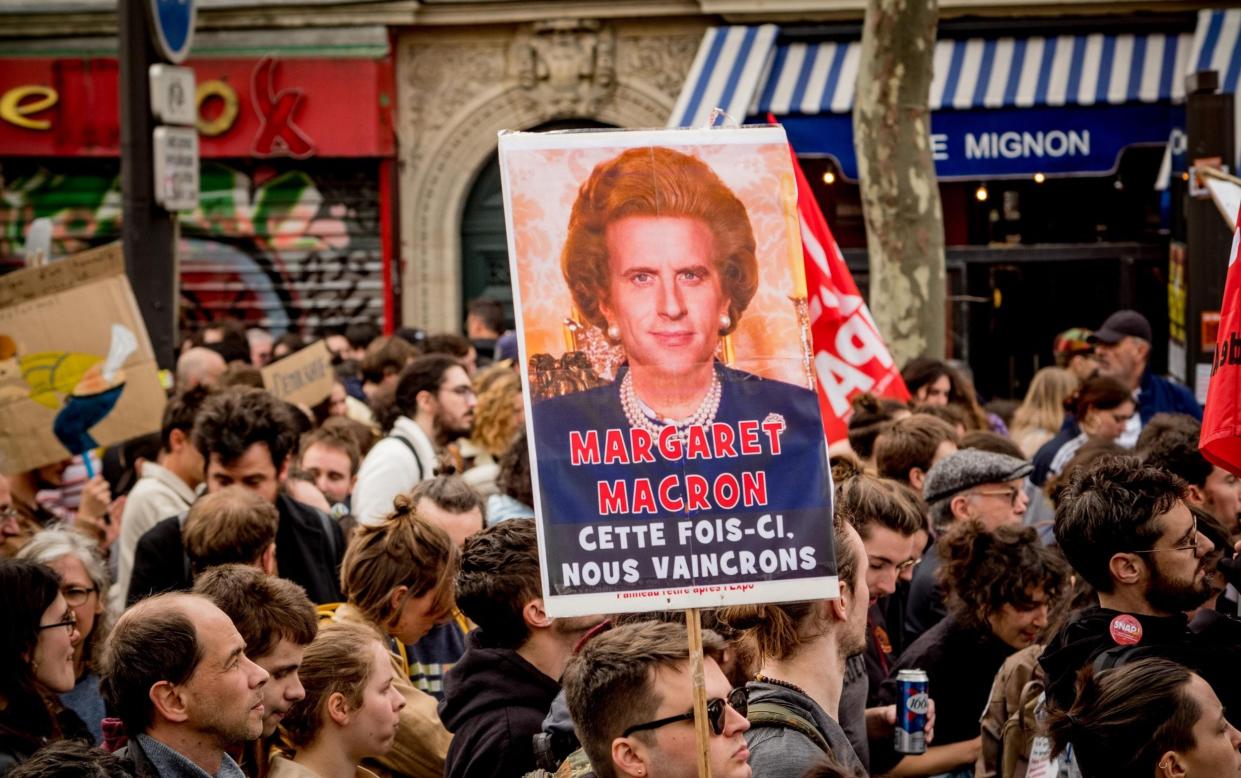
x=304, y=377
x=76, y=366
x=677, y=450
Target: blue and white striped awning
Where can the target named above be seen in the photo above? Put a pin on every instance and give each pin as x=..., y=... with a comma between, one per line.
x=811, y=78
x=1216, y=46
x=726, y=74
x=743, y=71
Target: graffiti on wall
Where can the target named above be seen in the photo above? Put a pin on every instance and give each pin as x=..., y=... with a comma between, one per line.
x=279, y=246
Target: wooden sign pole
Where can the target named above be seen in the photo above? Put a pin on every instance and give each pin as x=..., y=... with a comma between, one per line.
x=701, y=728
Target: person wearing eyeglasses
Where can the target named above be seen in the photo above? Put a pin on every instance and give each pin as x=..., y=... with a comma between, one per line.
x=1001, y=586
x=970, y=485
x=1125, y=529
x=36, y=652
x=433, y=405
x=84, y=583
x=630, y=694
x=803, y=648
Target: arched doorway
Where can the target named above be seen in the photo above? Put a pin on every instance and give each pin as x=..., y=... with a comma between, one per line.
x=484, y=244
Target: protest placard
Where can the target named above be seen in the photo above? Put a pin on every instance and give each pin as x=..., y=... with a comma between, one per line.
x=677, y=449
x=305, y=377
x=76, y=366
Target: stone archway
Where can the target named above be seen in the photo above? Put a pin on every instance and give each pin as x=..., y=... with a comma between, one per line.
x=459, y=88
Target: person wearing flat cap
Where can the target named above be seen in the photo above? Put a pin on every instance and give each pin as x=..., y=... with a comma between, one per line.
x=970, y=484
x=1123, y=346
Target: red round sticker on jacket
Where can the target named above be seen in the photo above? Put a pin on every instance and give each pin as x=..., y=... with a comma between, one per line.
x=1126, y=630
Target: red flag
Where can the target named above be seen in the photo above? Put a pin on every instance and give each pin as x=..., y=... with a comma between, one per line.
x=850, y=355
x=1221, y=421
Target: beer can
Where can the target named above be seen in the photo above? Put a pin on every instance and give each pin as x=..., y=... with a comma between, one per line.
x=913, y=701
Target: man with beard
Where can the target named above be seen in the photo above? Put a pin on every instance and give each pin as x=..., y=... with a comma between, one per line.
x=1126, y=530
x=436, y=405
x=175, y=671
x=496, y=696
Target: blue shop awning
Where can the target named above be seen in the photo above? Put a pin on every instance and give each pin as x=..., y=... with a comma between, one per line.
x=1006, y=106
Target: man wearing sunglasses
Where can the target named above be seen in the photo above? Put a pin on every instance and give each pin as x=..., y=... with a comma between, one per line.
x=968, y=485
x=1126, y=530
x=630, y=694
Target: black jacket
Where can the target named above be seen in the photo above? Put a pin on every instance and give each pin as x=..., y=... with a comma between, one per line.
x=926, y=606
x=15, y=748
x=494, y=705
x=961, y=664
x=309, y=547
x=1214, y=653
x=16, y=745
x=1088, y=634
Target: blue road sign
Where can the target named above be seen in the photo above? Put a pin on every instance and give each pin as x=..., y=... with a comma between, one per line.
x=172, y=25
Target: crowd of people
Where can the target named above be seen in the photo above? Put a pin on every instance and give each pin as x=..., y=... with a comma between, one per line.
x=268, y=590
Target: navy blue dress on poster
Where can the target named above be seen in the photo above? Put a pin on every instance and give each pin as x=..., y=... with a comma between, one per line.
x=747, y=496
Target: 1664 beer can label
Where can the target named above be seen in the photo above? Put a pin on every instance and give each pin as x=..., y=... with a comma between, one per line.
x=913, y=703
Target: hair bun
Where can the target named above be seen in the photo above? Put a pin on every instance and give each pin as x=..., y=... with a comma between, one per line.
x=865, y=402
x=844, y=467
x=742, y=617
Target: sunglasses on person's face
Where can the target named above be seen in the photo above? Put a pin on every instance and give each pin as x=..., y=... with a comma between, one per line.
x=717, y=712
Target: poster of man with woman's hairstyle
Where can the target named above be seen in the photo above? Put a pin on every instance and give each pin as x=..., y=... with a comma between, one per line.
x=677, y=450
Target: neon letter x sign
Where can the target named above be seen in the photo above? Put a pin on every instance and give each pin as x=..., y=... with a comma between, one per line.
x=278, y=135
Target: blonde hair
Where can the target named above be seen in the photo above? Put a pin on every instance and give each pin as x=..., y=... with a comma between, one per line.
x=405, y=550
x=337, y=660
x=495, y=424
x=1043, y=406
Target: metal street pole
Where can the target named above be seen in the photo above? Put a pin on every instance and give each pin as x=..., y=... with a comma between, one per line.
x=148, y=231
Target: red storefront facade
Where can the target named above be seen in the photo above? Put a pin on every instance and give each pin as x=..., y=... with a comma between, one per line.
x=294, y=228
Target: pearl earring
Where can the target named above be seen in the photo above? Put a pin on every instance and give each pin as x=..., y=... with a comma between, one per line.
x=725, y=322
x=613, y=332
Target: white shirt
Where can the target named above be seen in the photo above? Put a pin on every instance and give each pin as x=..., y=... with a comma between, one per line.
x=158, y=494
x=391, y=469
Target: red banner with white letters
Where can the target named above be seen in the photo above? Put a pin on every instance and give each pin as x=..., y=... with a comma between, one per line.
x=850, y=356
x=1221, y=420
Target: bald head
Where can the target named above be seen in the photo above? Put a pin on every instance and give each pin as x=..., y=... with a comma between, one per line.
x=155, y=640
x=199, y=366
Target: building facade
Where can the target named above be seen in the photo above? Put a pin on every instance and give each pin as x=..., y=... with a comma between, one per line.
x=1048, y=170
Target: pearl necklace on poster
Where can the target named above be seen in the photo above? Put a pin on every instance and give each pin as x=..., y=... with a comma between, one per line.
x=641, y=416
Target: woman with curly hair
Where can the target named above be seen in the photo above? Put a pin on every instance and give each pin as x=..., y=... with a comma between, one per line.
x=351, y=711
x=499, y=415
x=36, y=652
x=1151, y=717
x=84, y=583
x=1001, y=587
